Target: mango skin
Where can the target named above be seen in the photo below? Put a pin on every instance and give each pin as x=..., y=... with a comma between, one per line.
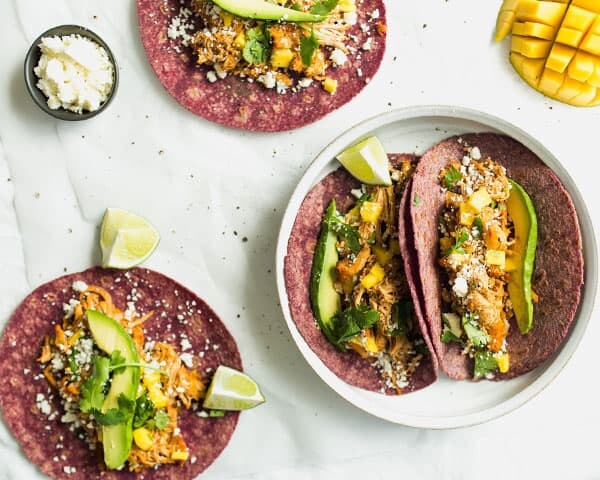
x=555, y=46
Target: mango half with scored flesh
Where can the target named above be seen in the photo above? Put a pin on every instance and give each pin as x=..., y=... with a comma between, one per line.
x=555, y=46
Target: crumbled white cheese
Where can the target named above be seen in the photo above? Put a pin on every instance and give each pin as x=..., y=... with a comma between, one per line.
x=374, y=14
x=305, y=82
x=79, y=286
x=211, y=76
x=185, y=344
x=42, y=404
x=338, y=57
x=187, y=359
x=220, y=71
x=460, y=287
x=181, y=27
x=475, y=153
x=350, y=18
x=74, y=72
x=268, y=80
x=281, y=87
x=367, y=45
x=69, y=308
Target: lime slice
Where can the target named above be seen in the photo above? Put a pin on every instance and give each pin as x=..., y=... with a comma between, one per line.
x=232, y=390
x=367, y=162
x=126, y=239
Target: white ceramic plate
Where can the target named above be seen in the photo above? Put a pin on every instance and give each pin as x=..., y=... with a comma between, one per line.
x=446, y=403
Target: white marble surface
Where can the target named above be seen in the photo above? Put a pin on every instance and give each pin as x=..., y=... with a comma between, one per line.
x=209, y=182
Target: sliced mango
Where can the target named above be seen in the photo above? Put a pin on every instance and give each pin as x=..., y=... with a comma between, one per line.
x=582, y=67
x=532, y=29
x=559, y=57
x=555, y=47
x=530, y=47
x=549, y=13
x=569, y=36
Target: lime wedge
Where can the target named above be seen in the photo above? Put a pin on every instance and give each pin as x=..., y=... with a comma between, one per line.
x=367, y=162
x=232, y=390
x=126, y=239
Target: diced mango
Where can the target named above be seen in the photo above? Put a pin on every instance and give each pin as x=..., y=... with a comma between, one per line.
x=595, y=28
x=495, y=257
x=582, y=67
x=374, y=277
x=330, y=85
x=143, y=438
x=151, y=378
x=180, y=455
x=370, y=211
x=550, y=82
x=516, y=59
x=532, y=29
x=159, y=399
x=578, y=18
x=530, y=47
x=591, y=43
x=479, y=200
x=466, y=214
x=529, y=68
x=347, y=6
x=591, y=5
x=596, y=101
x=569, y=36
x=559, y=57
x=370, y=344
x=226, y=17
x=281, y=57
x=549, y=13
x=382, y=255
x=240, y=40
x=503, y=362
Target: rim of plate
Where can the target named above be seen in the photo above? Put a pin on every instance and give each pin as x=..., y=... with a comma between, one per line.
x=549, y=370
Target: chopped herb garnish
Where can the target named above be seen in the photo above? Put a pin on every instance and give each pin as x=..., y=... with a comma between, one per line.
x=257, y=48
x=216, y=413
x=416, y=200
x=350, y=323
x=143, y=410
x=297, y=7
x=347, y=232
x=451, y=177
x=474, y=332
x=308, y=45
x=485, y=364
x=478, y=225
x=461, y=237
x=447, y=336
x=402, y=314
x=115, y=416
x=323, y=7
x=365, y=197
x=161, y=419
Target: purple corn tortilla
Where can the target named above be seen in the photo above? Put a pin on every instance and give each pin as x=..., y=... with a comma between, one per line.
x=36, y=316
x=250, y=106
x=558, y=274
x=348, y=366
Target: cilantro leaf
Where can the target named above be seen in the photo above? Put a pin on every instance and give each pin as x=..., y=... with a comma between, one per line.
x=402, y=314
x=350, y=323
x=116, y=359
x=485, y=363
x=297, y=7
x=143, y=410
x=115, y=416
x=478, y=224
x=365, y=197
x=92, y=389
x=416, y=200
x=159, y=421
x=323, y=7
x=448, y=336
x=257, y=48
x=348, y=232
x=308, y=45
x=461, y=237
x=451, y=177
x=474, y=332
x=216, y=413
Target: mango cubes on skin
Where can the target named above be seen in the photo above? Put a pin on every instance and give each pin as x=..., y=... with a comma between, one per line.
x=555, y=46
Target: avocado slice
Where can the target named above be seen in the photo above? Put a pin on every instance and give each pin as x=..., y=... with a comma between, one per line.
x=110, y=336
x=263, y=10
x=522, y=212
x=324, y=299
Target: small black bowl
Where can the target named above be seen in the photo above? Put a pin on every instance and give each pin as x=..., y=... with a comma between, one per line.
x=33, y=57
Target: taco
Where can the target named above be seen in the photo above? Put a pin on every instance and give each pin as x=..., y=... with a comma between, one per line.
x=263, y=75
x=372, y=338
x=497, y=247
x=57, y=365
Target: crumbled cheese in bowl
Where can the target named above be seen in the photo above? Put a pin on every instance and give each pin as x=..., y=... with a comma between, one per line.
x=75, y=73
